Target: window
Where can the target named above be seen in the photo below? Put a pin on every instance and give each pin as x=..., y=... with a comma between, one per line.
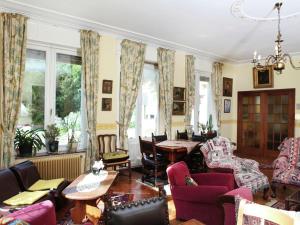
x=144, y=119
x=203, y=102
x=52, y=93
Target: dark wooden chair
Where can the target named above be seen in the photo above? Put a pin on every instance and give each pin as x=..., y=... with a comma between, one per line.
x=199, y=138
x=111, y=155
x=182, y=135
x=159, y=138
x=154, y=163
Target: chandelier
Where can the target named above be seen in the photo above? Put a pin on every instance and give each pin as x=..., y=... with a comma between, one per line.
x=279, y=59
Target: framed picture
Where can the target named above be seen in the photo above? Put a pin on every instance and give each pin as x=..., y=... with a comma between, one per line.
x=227, y=105
x=107, y=86
x=106, y=104
x=227, y=86
x=263, y=77
x=178, y=108
x=178, y=94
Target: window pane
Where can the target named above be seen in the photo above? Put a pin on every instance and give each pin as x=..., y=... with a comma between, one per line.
x=68, y=97
x=131, y=132
x=149, y=101
x=203, y=106
x=33, y=95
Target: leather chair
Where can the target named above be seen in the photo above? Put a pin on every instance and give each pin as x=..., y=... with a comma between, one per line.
x=198, y=202
x=159, y=138
x=153, y=211
x=27, y=174
x=182, y=135
x=10, y=187
x=154, y=163
x=111, y=155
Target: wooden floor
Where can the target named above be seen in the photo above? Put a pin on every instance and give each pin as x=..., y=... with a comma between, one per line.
x=123, y=185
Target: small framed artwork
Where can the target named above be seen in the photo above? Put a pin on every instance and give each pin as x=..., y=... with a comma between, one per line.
x=227, y=105
x=263, y=77
x=106, y=104
x=178, y=108
x=178, y=94
x=107, y=86
x=227, y=86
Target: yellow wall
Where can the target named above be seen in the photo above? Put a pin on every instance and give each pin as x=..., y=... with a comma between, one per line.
x=243, y=81
x=109, y=69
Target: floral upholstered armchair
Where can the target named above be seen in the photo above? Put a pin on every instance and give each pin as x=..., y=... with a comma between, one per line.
x=218, y=154
x=287, y=165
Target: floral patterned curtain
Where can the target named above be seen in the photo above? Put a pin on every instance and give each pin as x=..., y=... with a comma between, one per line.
x=90, y=41
x=165, y=59
x=189, y=87
x=132, y=64
x=217, y=90
x=13, y=37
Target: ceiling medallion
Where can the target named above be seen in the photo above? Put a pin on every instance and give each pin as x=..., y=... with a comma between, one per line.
x=237, y=10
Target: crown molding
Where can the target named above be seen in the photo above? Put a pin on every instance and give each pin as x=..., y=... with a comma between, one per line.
x=55, y=18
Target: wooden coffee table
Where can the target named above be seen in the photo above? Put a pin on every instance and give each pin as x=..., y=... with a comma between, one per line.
x=85, y=190
x=292, y=199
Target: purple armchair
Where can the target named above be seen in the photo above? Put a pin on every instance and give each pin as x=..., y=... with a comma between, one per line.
x=42, y=213
x=199, y=202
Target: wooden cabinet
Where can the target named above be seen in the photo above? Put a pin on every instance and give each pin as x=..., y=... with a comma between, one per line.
x=265, y=119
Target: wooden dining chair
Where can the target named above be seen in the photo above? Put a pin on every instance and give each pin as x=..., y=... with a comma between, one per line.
x=111, y=155
x=182, y=135
x=154, y=163
x=159, y=138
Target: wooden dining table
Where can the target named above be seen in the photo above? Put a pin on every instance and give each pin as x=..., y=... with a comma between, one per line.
x=175, y=149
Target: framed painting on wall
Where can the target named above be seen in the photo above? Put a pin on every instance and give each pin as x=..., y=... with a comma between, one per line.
x=178, y=94
x=106, y=104
x=107, y=86
x=178, y=108
x=227, y=86
x=263, y=77
x=227, y=105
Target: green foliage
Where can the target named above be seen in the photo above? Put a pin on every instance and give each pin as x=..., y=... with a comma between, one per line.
x=209, y=124
x=29, y=138
x=69, y=125
x=68, y=92
x=51, y=133
x=37, y=106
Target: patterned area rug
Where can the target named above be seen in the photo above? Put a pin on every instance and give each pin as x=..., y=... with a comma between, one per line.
x=116, y=198
x=281, y=205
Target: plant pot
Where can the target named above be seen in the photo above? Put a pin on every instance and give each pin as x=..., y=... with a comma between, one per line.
x=52, y=146
x=25, y=150
x=72, y=147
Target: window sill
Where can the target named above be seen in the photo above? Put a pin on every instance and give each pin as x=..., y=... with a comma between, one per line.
x=43, y=154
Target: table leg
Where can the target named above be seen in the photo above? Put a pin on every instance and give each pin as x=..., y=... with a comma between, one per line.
x=78, y=212
x=287, y=205
x=84, y=209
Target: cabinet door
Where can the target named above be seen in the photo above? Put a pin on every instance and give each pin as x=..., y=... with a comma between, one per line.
x=250, y=124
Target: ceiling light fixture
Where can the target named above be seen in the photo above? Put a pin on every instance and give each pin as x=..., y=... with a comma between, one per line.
x=279, y=59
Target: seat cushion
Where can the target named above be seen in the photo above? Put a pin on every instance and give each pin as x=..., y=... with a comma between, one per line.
x=25, y=198
x=111, y=157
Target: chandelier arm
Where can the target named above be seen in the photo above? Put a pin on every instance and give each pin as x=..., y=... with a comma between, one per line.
x=270, y=58
x=290, y=60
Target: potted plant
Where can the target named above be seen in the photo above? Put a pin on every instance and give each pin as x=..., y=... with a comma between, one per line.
x=28, y=142
x=209, y=125
x=51, y=134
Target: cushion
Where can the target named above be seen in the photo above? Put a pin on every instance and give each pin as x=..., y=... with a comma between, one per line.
x=25, y=198
x=12, y=221
x=46, y=184
x=190, y=181
x=110, y=157
x=216, y=154
x=251, y=213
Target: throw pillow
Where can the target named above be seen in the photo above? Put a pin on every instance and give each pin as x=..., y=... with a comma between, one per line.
x=190, y=181
x=216, y=154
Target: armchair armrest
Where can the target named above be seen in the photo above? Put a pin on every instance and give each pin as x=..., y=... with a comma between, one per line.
x=121, y=149
x=201, y=194
x=229, y=197
x=215, y=179
x=280, y=163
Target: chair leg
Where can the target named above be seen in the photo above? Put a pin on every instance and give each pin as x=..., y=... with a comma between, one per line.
x=273, y=188
x=129, y=169
x=266, y=194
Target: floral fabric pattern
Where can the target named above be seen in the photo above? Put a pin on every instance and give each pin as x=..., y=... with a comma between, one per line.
x=132, y=64
x=166, y=63
x=189, y=87
x=287, y=165
x=217, y=90
x=13, y=36
x=89, y=42
x=246, y=171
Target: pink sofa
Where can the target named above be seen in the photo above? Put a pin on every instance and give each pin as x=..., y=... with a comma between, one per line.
x=199, y=202
x=42, y=213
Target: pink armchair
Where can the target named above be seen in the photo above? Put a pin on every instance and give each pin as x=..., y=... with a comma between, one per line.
x=199, y=202
x=42, y=213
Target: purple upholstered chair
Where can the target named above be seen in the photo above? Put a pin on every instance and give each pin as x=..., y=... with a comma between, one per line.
x=199, y=202
x=42, y=213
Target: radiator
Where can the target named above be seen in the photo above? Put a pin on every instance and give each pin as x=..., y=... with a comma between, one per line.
x=68, y=166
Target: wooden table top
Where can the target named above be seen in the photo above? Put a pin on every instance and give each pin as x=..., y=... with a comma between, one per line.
x=192, y=222
x=89, y=186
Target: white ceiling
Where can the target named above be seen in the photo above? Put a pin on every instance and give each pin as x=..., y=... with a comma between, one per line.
x=206, y=26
